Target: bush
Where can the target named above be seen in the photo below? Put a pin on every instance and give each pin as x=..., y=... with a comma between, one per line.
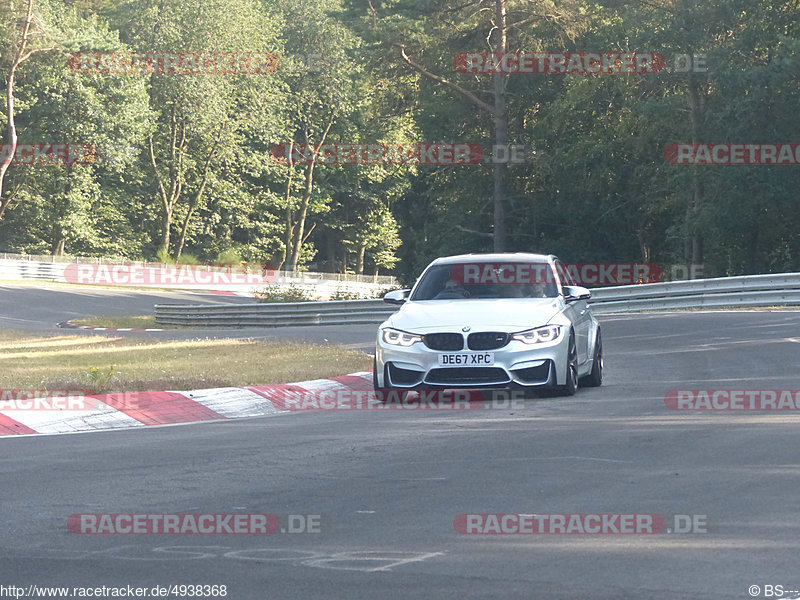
x=380, y=293
x=163, y=256
x=187, y=259
x=278, y=293
x=229, y=257
x=341, y=294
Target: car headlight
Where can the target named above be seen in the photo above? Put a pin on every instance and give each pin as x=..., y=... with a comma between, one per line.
x=395, y=337
x=540, y=335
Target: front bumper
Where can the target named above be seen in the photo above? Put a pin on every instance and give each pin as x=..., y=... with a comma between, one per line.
x=516, y=365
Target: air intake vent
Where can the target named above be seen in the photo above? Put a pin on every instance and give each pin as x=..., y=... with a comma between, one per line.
x=444, y=341
x=489, y=340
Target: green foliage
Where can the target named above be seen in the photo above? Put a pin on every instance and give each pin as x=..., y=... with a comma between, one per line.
x=231, y=256
x=163, y=256
x=342, y=294
x=187, y=259
x=279, y=293
x=596, y=186
x=101, y=380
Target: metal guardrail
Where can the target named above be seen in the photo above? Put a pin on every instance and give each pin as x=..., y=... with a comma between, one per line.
x=278, y=314
x=753, y=290
x=17, y=270
x=781, y=289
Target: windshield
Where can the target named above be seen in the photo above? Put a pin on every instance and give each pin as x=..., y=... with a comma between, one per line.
x=464, y=281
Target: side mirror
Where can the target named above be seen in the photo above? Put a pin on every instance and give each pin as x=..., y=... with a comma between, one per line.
x=573, y=293
x=396, y=296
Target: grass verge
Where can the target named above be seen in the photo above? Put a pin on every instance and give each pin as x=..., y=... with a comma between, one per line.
x=110, y=364
x=122, y=322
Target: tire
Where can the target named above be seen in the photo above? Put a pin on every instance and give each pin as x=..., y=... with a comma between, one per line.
x=595, y=378
x=572, y=371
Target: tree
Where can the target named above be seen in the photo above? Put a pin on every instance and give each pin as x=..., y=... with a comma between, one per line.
x=500, y=18
x=199, y=120
x=26, y=29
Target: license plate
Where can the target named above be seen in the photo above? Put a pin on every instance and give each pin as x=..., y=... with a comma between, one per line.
x=461, y=359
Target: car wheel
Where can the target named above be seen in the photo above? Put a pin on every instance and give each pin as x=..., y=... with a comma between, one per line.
x=572, y=371
x=595, y=378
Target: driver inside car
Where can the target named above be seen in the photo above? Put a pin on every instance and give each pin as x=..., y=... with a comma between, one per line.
x=453, y=289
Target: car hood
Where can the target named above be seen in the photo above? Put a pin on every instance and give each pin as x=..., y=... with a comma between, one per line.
x=480, y=315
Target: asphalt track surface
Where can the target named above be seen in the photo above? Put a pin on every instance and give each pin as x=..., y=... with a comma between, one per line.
x=388, y=485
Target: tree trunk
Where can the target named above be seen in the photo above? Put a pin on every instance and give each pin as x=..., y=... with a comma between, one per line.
x=288, y=230
x=184, y=228
x=360, y=259
x=11, y=128
x=288, y=233
x=166, y=222
x=697, y=98
x=170, y=196
x=11, y=139
x=500, y=133
x=60, y=212
x=498, y=112
x=299, y=227
x=196, y=200
x=11, y=131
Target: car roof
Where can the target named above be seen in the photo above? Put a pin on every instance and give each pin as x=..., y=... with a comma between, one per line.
x=494, y=257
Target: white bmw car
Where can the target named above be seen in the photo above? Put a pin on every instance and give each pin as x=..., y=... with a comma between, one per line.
x=474, y=321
